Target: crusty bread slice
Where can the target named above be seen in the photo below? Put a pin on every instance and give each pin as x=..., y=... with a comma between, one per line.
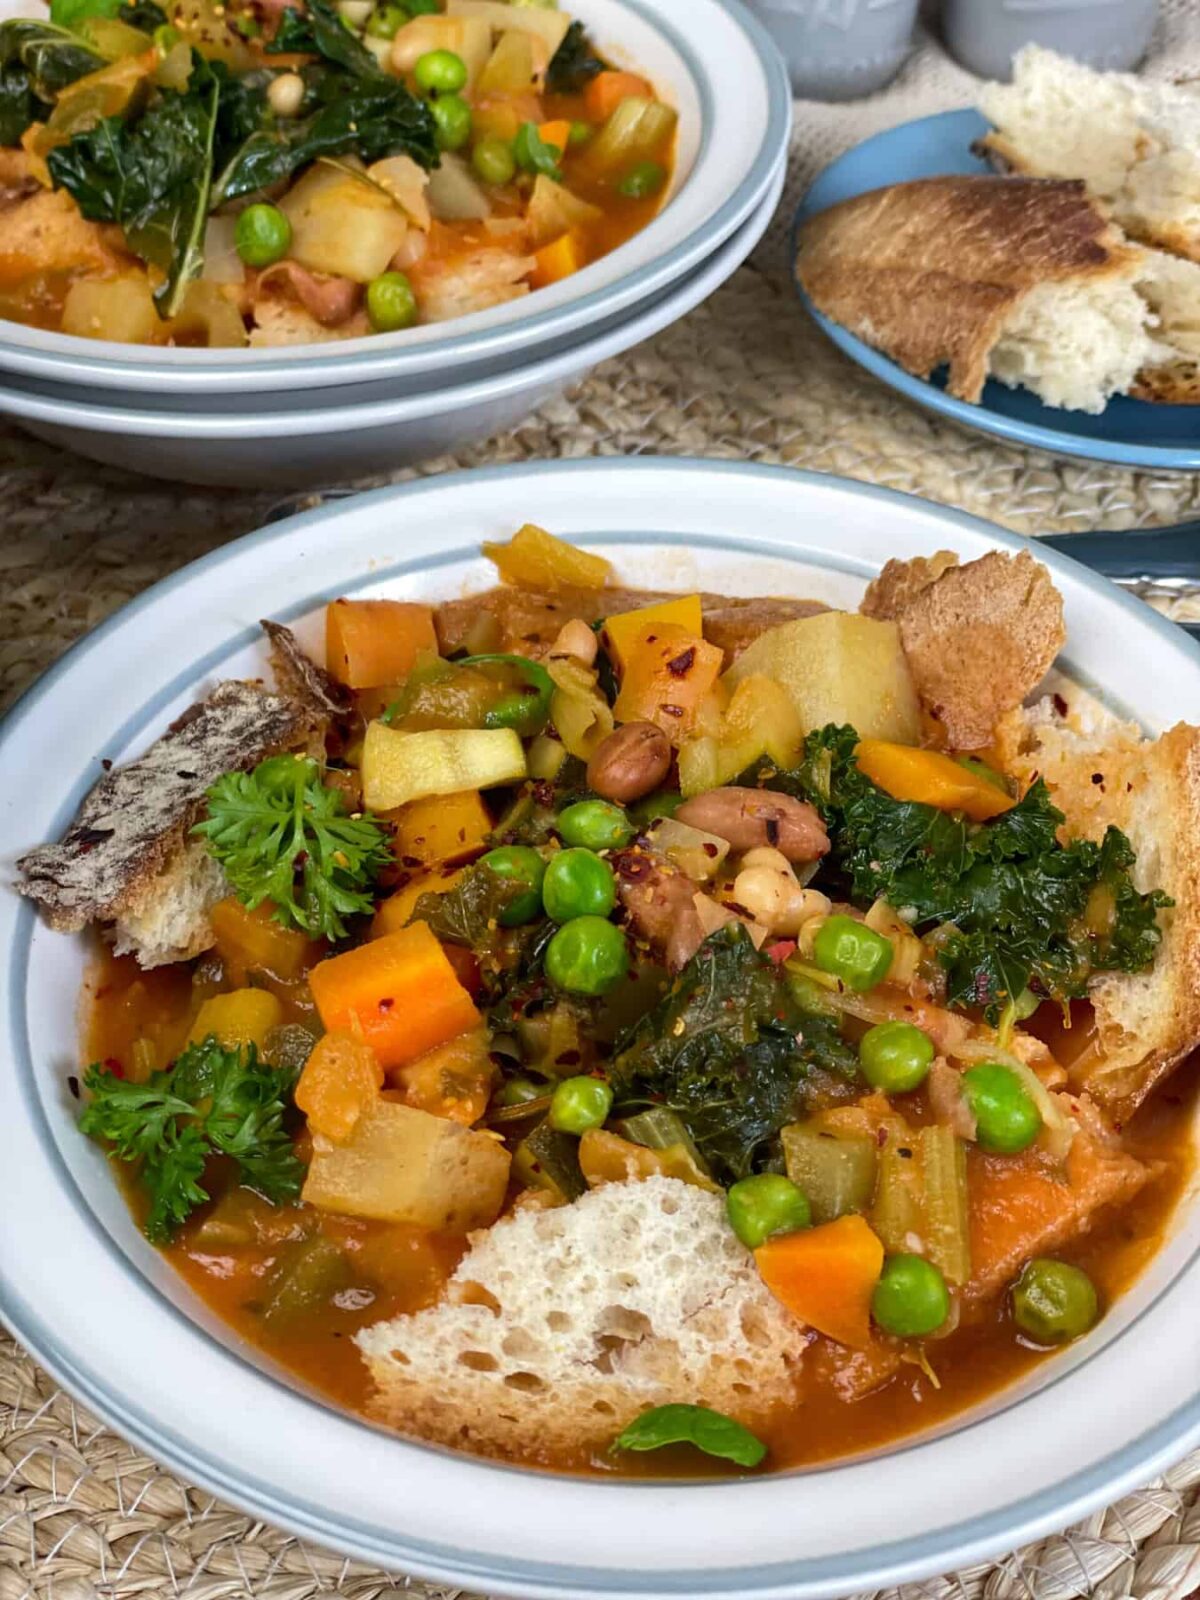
x=979, y=638
x=1170, y=286
x=127, y=860
x=1101, y=772
x=1022, y=278
x=1134, y=143
x=560, y=1326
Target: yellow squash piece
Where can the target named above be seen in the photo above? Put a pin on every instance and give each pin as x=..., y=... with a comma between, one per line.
x=398, y=767
x=622, y=631
x=395, y=911
x=930, y=777
x=538, y=560
x=447, y=828
x=244, y=1016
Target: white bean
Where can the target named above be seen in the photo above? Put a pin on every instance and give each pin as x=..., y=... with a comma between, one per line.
x=286, y=94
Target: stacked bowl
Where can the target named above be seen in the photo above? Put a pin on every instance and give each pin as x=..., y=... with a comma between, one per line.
x=298, y=416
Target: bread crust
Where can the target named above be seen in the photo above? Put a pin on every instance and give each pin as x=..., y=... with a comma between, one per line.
x=931, y=271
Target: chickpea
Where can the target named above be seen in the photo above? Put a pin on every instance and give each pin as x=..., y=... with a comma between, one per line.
x=768, y=889
x=575, y=639
x=286, y=94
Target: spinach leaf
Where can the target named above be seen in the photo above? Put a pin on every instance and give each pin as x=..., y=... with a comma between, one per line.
x=52, y=57
x=1011, y=898
x=372, y=117
x=152, y=177
x=731, y=1052
x=320, y=31
x=574, y=64
x=710, y=1431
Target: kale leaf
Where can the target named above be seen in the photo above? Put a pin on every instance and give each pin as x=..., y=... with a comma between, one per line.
x=468, y=913
x=42, y=59
x=373, y=117
x=19, y=106
x=1018, y=909
x=731, y=1052
x=151, y=176
x=320, y=31
x=574, y=64
x=215, y=1101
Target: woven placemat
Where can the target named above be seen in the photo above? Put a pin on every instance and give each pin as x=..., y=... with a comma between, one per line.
x=83, y=1516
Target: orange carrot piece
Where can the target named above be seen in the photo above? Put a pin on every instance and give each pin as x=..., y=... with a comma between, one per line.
x=607, y=90
x=826, y=1276
x=341, y=1079
x=929, y=776
x=400, y=993
x=668, y=673
x=253, y=941
x=557, y=133
x=373, y=642
x=558, y=259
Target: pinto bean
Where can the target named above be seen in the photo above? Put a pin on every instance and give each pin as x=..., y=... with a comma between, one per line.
x=659, y=900
x=752, y=818
x=632, y=761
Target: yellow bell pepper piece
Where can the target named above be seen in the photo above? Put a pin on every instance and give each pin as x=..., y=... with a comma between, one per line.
x=930, y=777
x=537, y=559
x=622, y=632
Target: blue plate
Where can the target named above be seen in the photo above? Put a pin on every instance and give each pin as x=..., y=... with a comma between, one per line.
x=1130, y=432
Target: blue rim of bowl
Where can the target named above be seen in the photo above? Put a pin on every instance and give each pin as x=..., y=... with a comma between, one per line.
x=886, y=1565
x=409, y=406
x=491, y=343
x=979, y=419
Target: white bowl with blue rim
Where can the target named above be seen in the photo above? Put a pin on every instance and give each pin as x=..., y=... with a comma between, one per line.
x=300, y=440
x=712, y=61
x=124, y=1334
x=1131, y=433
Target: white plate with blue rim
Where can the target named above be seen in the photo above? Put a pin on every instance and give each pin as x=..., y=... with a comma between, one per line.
x=1130, y=433
x=114, y=1324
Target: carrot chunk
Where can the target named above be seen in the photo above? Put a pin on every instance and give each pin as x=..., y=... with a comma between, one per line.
x=373, y=642
x=400, y=993
x=558, y=259
x=608, y=89
x=556, y=133
x=826, y=1276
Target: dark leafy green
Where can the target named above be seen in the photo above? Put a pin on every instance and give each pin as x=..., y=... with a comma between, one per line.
x=320, y=31
x=19, y=106
x=70, y=13
x=710, y=1431
x=152, y=177
x=1012, y=899
x=215, y=1101
x=38, y=59
x=731, y=1052
x=143, y=14
x=467, y=914
x=574, y=64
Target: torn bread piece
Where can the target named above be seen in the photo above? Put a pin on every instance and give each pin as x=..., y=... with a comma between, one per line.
x=1104, y=773
x=127, y=859
x=1170, y=286
x=560, y=1326
x=1019, y=278
x=1135, y=144
x=979, y=638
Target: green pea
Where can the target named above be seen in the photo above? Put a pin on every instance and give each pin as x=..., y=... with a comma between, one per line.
x=580, y=133
x=262, y=235
x=519, y=1092
x=911, y=1298
x=851, y=951
x=642, y=180
x=587, y=955
x=386, y=20
x=391, y=303
x=1054, y=1302
x=494, y=161
x=895, y=1057
x=452, y=118
x=580, y=1104
x=595, y=824
x=1006, y=1118
x=578, y=884
x=532, y=152
x=765, y=1205
x=440, y=72
x=517, y=863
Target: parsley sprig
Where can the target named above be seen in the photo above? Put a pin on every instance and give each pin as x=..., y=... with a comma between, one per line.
x=283, y=835
x=214, y=1101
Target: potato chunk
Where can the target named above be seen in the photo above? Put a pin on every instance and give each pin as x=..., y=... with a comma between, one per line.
x=404, y=1165
x=839, y=667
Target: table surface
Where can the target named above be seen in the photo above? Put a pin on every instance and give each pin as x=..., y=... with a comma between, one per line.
x=83, y=1516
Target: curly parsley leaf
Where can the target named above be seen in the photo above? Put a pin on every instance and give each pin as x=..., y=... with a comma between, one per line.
x=283, y=835
x=215, y=1101
x=731, y=1053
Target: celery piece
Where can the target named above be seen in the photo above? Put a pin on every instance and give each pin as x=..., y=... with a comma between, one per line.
x=947, y=1219
x=898, y=1210
x=660, y=1128
x=398, y=767
x=308, y=1274
x=637, y=130
x=836, y=1172
x=547, y=1159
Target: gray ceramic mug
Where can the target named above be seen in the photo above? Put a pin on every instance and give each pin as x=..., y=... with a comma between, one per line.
x=1108, y=34
x=839, y=49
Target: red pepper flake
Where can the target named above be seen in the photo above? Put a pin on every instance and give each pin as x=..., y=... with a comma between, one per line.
x=386, y=1004
x=671, y=711
x=683, y=662
x=781, y=950
x=709, y=849
x=1060, y=705
x=113, y=1066
x=568, y=1058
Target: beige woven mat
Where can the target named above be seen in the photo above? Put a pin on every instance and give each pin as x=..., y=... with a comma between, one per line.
x=82, y=1515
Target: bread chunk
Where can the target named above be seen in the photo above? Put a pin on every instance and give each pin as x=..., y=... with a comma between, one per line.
x=127, y=858
x=561, y=1326
x=1103, y=772
x=979, y=638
